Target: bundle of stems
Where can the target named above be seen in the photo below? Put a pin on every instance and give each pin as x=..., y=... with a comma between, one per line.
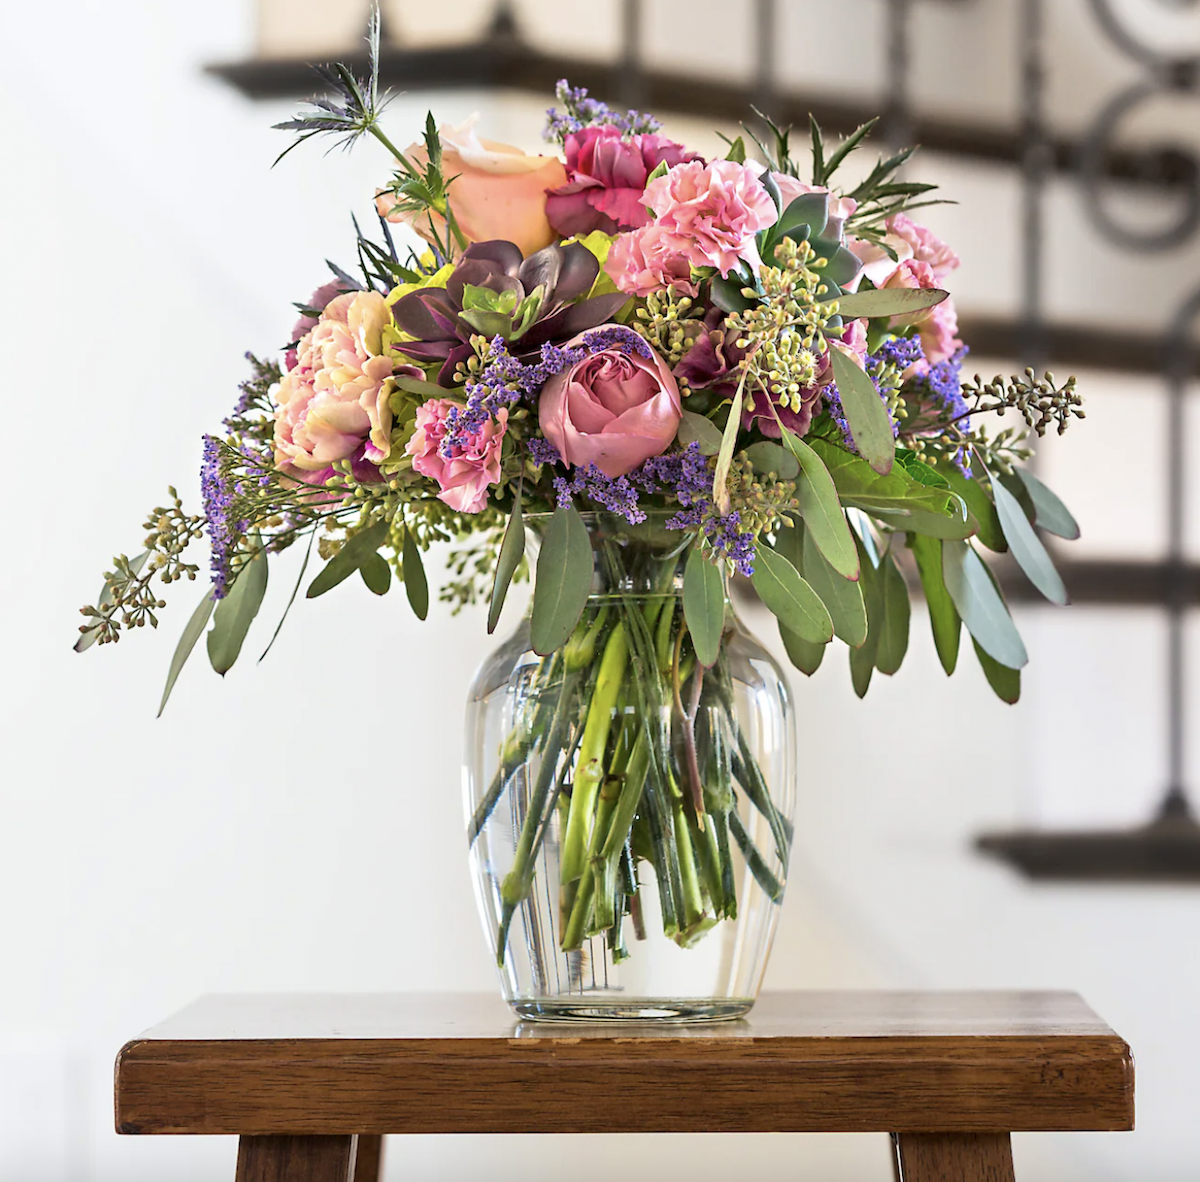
x=635, y=748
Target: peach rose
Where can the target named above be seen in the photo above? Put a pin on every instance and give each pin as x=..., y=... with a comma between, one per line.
x=497, y=192
x=615, y=408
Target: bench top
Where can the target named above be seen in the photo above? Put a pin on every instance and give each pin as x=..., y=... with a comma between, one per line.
x=800, y=1062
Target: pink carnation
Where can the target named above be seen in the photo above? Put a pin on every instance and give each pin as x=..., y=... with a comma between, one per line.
x=464, y=479
x=926, y=246
x=937, y=326
x=646, y=261
x=712, y=212
x=324, y=295
x=607, y=173
x=333, y=403
x=614, y=409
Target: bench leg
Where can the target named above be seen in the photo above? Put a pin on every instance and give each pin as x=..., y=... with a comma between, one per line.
x=296, y=1159
x=954, y=1157
x=368, y=1162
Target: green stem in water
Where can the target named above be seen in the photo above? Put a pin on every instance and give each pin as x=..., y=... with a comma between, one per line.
x=755, y=860
x=589, y=770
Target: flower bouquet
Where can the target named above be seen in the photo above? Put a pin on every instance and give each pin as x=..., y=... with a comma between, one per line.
x=662, y=369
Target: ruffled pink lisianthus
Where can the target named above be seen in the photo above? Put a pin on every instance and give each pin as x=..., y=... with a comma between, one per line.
x=465, y=477
x=607, y=172
x=712, y=212
x=333, y=403
x=648, y=260
x=615, y=408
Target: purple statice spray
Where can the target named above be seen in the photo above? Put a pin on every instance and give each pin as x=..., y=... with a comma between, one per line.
x=218, y=501
x=580, y=110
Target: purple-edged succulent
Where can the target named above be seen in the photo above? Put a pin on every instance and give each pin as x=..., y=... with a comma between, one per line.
x=495, y=291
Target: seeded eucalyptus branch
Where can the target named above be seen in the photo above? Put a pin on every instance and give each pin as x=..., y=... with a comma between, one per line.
x=1039, y=401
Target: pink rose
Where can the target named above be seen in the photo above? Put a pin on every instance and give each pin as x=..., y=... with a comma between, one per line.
x=616, y=408
x=647, y=261
x=463, y=478
x=712, y=212
x=498, y=192
x=333, y=403
x=607, y=174
x=926, y=246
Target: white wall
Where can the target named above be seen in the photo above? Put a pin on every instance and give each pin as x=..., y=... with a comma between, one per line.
x=299, y=827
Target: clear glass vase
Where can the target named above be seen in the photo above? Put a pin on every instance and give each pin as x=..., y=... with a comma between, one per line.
x=629, y=812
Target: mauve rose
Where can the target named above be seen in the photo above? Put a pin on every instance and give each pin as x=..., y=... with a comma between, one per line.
x=498, y=192
x=646, y=260
x=612, y=409
x=712, y=212
x=464, y=479
x=607, y=173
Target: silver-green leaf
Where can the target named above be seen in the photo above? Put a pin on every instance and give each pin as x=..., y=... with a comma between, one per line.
x=187, y=641
x=894, y=617
x=980, y=605
x=349, y=558
x=694, y=428
x=868, y=418
x=704, y=606
x=564, y=580
x=416, y=585
x=842, y=597
x=1050, y=513
x=512, y=550
x=235, y=613
x=376, y=572
x=821, y=509
x=898, y=301
x=1025, y=546
x=792, y=601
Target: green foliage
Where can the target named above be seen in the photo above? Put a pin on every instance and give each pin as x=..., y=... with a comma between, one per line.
x=842, y=597
x=235, y=613
x=704, y=606
x=821, y=509
x=1050, y=513
x=793, y=602
x=1026, y=546
x=1005, y=682
x=893, y=617
x=512, y=551
x=416, y=586
x=564, y=580
x=980, y=604
x=191, y=633
x=943, y=616
x=865, y=413
x=358, y=548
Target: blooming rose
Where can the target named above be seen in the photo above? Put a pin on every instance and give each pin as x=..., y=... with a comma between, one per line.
x=616, y=408
x=333, y=403
x=712, y=212
x=646, y=261
x=498, y=191
x=464, y=479
x=607, y=175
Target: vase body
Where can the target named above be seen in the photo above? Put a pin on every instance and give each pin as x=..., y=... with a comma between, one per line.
x=629, y=812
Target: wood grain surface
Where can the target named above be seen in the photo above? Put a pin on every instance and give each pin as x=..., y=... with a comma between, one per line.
x=295, y=1159
x=801, y=1062
x=955, y=1157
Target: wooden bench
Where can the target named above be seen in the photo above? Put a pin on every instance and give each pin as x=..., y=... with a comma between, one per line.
x=310, y=1083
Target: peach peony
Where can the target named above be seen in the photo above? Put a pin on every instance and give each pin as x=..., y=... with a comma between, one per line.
x=616, y=408
x=498, y=192
x=333, y=403
x=463, y=478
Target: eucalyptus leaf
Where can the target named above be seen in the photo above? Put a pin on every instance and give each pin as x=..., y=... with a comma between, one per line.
x=694, y=428
x=187, y=641
x=235, y=613
x=934, y=525
x=512, y=550
x=980, y=605
x=868, y=418
x=416, y=585
x=725, y=455
x=792, y=601
x=979, y=505
x=1026, y=546
x=1050, y=513
x=349, y=558
x=894, y=617
x=862, y=659
x=804, y=654
x=899, y=301
x=1005, y=682
x=291, y=598
x=564, y=580
x=943, y=616
x=377, y=574
x=821, y=509
x=771, y=458
x=417, y=386
x=841, y=596
x=704, y=606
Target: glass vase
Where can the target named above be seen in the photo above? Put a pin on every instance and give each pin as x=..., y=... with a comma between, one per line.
x=629, y=811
